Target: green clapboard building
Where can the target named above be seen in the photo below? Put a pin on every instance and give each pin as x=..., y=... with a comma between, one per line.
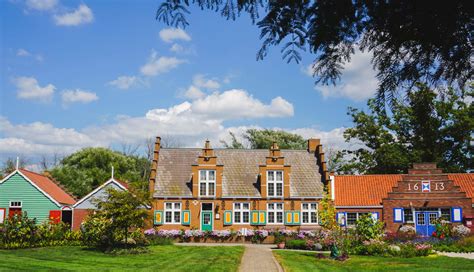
x=37, y=195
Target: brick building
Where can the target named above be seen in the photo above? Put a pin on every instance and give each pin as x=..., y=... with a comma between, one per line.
x=419, y=197
x=215, y=189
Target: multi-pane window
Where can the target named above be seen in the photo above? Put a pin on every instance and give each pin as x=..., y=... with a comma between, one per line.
x=446, y=214
x=408, y=215
x=275, y=213
x=207, y=183
x=241, y=213
x=15, y=204
x=353, y=217
x=309, y=212
x=274, y=183
x=173, y=213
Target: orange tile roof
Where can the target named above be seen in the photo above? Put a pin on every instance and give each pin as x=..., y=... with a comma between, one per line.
x=369, y=190
x=49, y=187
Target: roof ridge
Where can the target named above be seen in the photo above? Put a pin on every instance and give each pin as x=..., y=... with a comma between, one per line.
x=52, y=179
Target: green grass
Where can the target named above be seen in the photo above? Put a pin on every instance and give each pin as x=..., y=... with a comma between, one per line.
x=293, y=261
x=161, y=258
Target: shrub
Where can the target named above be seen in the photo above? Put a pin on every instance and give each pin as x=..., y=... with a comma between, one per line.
x=461, y=231
x=18, y=232
x=368, y=228
x=443, y=229
x=462, y=245
x=279, y=237
x=296, y=244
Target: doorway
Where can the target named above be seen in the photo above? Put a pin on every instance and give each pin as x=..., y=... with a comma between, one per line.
x=66, y=216
x=425, y=222
x=206, y=216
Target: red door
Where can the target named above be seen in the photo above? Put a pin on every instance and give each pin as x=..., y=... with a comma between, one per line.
x=55, y=216
x=14, y=211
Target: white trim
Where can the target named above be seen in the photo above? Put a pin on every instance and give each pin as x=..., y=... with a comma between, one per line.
x=207, y=182
x=333, y=187
x=275, y=182
x=309, y=211
x=242, y=197
x=358, y=207
x=32, y=183
x=275, y=211
x=241, y=211
x=172, y=210
x=10, y=204
x=99, y=188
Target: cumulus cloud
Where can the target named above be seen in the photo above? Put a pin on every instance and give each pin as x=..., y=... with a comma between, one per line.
x=159, y=65
x=201, y=82
x=125, y=82
x=41, y=5
x=82, y=15
x=28, y=88
x=23, y=53
x=172, y=34
x=358, y=81
x=78, y=96
x=194, y=92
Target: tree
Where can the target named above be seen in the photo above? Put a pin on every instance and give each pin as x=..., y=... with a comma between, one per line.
x=9, y=165
x=88, y=168
x=327, y=212
x=428, y=127
x=116, y=215
x=411, y=41
x=264, y=138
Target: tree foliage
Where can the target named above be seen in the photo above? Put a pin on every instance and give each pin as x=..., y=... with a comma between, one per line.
x=83, y=171
x=411, y=41
x=428, y=127
x=263, y=139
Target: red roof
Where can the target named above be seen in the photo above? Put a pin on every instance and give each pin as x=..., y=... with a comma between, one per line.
x=49, y=187
x=369, y=190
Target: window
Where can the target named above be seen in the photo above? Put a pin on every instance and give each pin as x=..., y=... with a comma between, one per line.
x=241, y=213
x=207, y=183
x=352, y=218
x=172, y=213
x=309, y=212
x=446, y=214
x=274, y=183
x=275, y=213
x=408, y=215
x=15, y=204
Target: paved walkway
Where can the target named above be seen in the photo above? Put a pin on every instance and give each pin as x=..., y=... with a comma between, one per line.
x=459, y=255
x=257, y=258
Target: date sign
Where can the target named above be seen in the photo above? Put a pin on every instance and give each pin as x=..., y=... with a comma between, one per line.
x=425, y=186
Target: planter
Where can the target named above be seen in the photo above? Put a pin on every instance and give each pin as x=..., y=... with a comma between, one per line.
x=281, y=246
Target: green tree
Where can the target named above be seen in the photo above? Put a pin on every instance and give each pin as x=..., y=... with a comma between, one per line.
x=116, y=215
x=264, y=138
x=411, y=41
x=327, y=212
x=427, y=127
x=83, y=171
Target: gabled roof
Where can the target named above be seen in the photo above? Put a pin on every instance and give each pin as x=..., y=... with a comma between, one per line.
x=369, y=190
x=120, y=184
x=240, y=172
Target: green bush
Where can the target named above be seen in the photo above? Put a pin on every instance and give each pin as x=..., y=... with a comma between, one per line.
x=463, y=245
x=156, y=240
x=368, y=229
x=296, y=244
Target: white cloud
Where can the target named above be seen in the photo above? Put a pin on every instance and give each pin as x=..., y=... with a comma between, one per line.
x=41, y=5
x=23, y=53
x=78, y=96
x=193, y=92
x=125, y=82
x=176, y=48
x=82, y=15
x=171, y=34
x=202, y=82
x=158, y=65
x=358, y=81
x=28, y=88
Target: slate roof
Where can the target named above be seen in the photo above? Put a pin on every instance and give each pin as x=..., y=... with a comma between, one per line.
x=49, y=187
x=369, y=190
x=240, y=172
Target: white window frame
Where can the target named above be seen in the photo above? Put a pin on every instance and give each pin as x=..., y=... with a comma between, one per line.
x=275, y=182
x=358, y=214
x=208, y=182
x=173, y=210
x=16, y=206
x=239, y=209
x=309, y=210
x=275, y=212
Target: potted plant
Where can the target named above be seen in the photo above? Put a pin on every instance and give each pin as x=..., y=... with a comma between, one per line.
x=279, y=239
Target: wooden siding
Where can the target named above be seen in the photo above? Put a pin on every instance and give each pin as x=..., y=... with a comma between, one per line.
x=34, y=202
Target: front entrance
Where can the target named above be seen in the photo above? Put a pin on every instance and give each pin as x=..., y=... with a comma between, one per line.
x=14, y=211
x=425, y=223
x=206, y=216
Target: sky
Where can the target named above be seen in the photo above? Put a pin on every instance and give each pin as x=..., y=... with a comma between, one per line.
x=106, y=73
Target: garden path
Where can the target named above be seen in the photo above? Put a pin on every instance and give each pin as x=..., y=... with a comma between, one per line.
x=459, y=255
x=257, y=258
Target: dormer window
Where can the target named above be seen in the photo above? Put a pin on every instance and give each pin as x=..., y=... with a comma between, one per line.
x=274, y=183
x=207, y=183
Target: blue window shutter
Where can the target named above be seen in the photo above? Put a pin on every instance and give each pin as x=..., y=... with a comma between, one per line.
x=158, y=218
x=456, y=214
x=398, y=215
x=341, y=218
x=227, y=217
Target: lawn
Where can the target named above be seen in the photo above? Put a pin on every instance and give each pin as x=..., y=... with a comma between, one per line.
x=161, y=258
x=293, y=261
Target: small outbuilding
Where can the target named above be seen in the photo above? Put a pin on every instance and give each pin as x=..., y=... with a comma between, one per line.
x=37, y=195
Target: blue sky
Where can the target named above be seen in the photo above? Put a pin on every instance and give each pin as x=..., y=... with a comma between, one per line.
x=104, y=73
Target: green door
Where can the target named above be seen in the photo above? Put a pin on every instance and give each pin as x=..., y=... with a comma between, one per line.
x=206, y=220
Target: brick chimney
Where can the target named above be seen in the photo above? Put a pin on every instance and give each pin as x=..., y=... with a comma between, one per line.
x=313, y=145
x=154, y=165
